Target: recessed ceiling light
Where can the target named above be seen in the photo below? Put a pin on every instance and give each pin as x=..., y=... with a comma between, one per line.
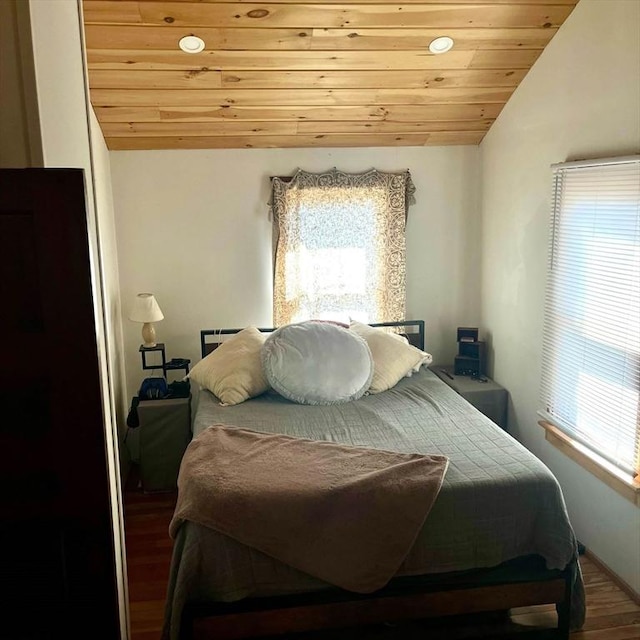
x=191, y=44
x=441, y=45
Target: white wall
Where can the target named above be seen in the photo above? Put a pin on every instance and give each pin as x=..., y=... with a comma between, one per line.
x=19, y=128
x=68, y=141
x=58, y=57
x=193, y=228
x=14, y=145
x=111, y=280
x=580, y=100
x=71, y=137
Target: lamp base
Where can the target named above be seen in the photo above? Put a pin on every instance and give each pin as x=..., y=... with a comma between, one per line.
x=148, y=335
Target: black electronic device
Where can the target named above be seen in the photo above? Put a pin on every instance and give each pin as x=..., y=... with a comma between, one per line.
x=472, y=350
x=467, y=366
x=177, y=363
x=467, y=334
x=471, y=358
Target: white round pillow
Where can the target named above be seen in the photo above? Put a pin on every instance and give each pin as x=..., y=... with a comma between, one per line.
x=317, y=363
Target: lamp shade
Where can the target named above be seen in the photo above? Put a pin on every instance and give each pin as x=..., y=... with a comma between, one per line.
x=145, y=309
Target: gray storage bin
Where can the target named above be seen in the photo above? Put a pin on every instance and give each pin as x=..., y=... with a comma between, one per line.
x=164, y=433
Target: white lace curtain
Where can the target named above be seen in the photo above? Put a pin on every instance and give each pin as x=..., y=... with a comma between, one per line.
x=340, y=246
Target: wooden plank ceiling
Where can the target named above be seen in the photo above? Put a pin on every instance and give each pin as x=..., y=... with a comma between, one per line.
x=309, y=74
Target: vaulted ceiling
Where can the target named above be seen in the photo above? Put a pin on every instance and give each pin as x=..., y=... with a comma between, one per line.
x=295, y=73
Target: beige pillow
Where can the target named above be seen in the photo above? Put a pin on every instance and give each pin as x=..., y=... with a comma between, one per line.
x=233, y=372
x=393, y=359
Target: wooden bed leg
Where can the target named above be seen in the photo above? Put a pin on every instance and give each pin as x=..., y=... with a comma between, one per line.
x=564, y=608
x=186, y=624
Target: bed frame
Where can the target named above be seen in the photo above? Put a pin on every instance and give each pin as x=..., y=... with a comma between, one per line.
x=518, y=583
x=412, y=330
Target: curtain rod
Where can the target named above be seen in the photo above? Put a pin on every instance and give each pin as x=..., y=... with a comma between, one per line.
x=289, y=178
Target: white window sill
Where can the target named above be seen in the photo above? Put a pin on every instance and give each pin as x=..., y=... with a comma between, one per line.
x=616, y=479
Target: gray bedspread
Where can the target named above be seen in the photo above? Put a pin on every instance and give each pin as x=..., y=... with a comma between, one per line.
x=497, y=502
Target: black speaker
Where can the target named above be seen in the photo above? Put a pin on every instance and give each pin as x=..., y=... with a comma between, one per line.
x=471, y=358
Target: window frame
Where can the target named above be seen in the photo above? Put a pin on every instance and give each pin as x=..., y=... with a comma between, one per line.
x=622, y=481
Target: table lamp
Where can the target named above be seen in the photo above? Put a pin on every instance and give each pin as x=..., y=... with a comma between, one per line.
x=146, y=310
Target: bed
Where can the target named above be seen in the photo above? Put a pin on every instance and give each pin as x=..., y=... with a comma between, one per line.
x=497, y=537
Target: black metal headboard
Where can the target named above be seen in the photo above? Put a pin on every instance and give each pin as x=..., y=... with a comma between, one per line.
x=413, y=331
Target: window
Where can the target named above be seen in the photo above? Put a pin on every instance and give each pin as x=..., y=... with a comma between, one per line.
x=340, y=250
x=591, y=354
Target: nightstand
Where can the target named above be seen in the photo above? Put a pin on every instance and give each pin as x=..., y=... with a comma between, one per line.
x=164, y=432
x=488, y=397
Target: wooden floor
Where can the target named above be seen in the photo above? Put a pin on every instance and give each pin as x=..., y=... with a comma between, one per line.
x=611, y=614
x=146, y=524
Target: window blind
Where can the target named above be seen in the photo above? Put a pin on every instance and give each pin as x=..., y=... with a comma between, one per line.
x=591, y=349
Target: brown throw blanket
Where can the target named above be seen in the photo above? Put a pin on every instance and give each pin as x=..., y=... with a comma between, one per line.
x=346, y=515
